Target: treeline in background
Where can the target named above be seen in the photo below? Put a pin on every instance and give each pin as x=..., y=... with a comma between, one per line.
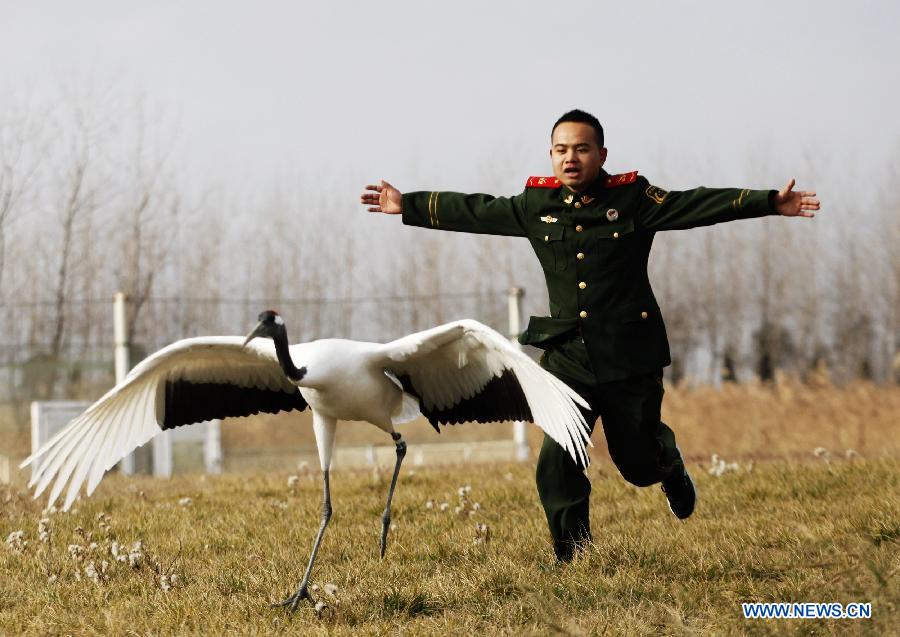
x=95, y=198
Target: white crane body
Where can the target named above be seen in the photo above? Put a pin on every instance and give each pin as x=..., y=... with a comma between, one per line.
x=458, y=372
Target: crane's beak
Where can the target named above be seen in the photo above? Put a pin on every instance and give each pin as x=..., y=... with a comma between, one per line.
x=257, y=331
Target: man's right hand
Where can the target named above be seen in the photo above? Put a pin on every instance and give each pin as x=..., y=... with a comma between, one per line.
x=382, y=198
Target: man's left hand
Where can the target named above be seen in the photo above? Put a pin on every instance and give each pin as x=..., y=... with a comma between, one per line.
x=795, y=204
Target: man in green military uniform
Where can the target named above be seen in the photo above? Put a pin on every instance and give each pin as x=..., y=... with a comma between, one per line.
x=605, y=336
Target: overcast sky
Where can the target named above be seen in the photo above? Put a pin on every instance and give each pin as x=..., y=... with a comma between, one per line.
x=453, y=95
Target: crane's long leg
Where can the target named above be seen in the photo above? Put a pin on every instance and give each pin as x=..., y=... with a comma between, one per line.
x=303, y=589
x=324, y=429
x=386, y=516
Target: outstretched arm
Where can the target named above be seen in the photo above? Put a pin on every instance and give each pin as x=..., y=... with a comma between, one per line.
x=477, y=213
x=678, y=210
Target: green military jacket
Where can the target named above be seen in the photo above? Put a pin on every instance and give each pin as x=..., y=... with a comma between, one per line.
x=593, y=247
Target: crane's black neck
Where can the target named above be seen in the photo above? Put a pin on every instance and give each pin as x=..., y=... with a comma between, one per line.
x=284, y=358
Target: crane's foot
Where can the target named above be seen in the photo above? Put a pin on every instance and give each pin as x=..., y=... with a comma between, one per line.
x=294, y=600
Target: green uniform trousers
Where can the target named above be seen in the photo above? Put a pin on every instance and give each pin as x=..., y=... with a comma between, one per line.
x=640, y=444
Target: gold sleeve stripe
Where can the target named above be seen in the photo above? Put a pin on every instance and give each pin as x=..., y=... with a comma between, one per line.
x=437, y=221
x=430, y=215
x=739, y=202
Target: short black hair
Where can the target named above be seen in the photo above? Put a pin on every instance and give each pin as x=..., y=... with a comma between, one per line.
x=581, y=117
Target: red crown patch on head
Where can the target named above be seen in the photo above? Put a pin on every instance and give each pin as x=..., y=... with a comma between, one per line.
x=543, y=182
x=620, y=180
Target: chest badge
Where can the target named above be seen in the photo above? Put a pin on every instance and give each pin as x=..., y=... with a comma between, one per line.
x=549, y=219
x=612, y=214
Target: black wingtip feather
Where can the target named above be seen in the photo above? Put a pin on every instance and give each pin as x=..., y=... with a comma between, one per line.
x=188, y=403
x=502, y=399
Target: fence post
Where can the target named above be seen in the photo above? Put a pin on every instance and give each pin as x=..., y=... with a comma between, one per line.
x=514, y=297
x=161, y=446
x=121, y=357
x=141, y=459
x=212, y=447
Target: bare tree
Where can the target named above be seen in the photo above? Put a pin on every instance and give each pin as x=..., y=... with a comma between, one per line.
x=78, y=197
x=150, y=201
x=733, y=299
x=21, y=153
x=673, y=264
x=74, y=189
x=709, y=307
x=887, y=242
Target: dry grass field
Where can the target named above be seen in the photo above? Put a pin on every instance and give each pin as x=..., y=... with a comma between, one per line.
x=804, y=506
x=214, y=552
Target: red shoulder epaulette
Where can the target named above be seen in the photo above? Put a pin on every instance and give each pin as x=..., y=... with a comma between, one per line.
x=611, y=182
x=620, y=180
x=543, y=182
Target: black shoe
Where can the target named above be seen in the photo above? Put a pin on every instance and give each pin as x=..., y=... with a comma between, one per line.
x=679, y=489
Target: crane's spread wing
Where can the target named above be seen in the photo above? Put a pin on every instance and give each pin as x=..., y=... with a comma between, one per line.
x=465, y=371
x=189, y=381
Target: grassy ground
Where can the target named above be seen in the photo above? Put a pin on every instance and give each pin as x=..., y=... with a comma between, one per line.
x=813, y=531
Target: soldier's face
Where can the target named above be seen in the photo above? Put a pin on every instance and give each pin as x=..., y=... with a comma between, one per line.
x=577, y=159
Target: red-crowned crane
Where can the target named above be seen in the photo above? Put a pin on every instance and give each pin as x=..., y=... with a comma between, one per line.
x=459, y=372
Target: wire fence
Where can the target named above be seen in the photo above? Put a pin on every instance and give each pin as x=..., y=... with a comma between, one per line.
x=66, y=351
x=162, y=319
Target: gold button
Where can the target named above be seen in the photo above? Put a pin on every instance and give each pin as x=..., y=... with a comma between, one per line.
x=578, y=228
x=546, y=237
x=644, y=315
x=578, y=204
x=582, y=314
x=582, y=284
x=580, y=256
x=615, y=235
